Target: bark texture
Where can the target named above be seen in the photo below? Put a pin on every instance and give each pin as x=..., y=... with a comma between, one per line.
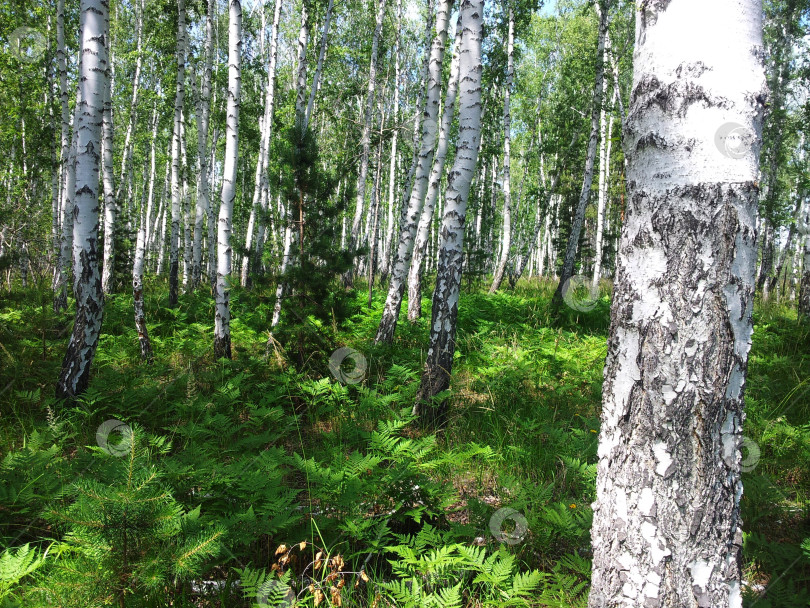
x=222, y=315
x=666, y=529
x=94, y=87
x=410, y=220
x=439, y=363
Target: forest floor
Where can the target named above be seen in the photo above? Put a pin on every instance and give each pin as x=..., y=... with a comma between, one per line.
x=269, y=481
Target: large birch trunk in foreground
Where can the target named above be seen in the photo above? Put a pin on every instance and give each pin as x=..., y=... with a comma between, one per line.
x=94, y=87
x=439, y=363
x=667, y=529
x=410, y=220
x=222, y=317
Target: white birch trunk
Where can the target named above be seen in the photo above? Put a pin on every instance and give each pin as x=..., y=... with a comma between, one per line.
x=319, y=67
x=506, y=235
x=567, y=270
x=666, y=529
x=439, y=363
x=110, y=204
x=222, y=319
x=410, y=221
x=605, y=133
x=434, y=183
x=174, y=239
x=365, y=138
x=203, y=114
x=94, y=90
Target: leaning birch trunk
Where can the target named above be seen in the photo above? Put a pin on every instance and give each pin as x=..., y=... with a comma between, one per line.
x=365, y=138
x=262, y=162
x=439, y=363
x=506, y=236
x=264, y=196
x=203, y=113
x=140, y=254
x=426, y=218
x=59, y=279
x=110, y=204
x=301, y=82
x=319, y=67
x=66, y=238
x=410, y=220
x=596, y=105
x=392, y=170
x=666, y=529
x=222, y=318
x=174, y=239
x=604, y=180
x=94, y=86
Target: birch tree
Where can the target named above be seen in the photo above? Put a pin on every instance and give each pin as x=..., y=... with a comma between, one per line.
x=410, y=220
x=506, y=234
x=439, y=363
x=426, y=218
x=596, y=105
x=94, y=86
x=222, y=318
x=666, y=529
x=365, y=138
x=203, y=115
x=140, y=254
x=174, y=242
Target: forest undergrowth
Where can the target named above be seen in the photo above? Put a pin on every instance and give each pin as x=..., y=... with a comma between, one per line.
x=257, y=482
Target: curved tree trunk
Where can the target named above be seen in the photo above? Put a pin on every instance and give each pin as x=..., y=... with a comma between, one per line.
x=434, y=183
x=222, y=317
x=579, y=217
x=94, y=87
x=439, y=363
x=666, y=529
x=407, y=229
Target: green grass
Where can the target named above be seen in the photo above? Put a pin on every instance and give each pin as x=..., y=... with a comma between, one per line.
x=273, y=455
